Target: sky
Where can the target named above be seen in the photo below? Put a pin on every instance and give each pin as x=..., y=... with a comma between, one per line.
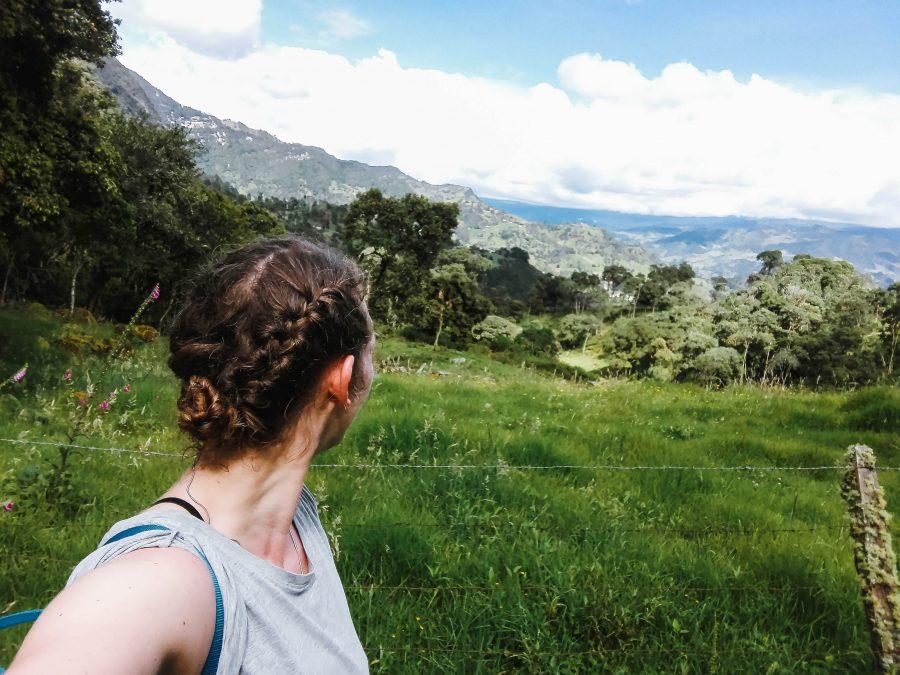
x=769, y=108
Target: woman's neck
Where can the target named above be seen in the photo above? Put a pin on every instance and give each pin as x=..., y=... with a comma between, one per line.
x=253, y=499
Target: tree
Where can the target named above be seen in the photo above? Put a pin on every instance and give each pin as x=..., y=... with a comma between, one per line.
x=742, y=323
x=615, y=275
x=397, y=241
x=888, y=303
x=553, y=294
x=574, y=330
x=771, y=260
x=589, y=292
x=455, y=303
x=52, y=161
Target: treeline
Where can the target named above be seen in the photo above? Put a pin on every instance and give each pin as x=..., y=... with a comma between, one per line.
x=809, y=320
x=95, y=207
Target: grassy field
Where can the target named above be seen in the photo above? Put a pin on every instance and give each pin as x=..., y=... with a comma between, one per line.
x=486, y=570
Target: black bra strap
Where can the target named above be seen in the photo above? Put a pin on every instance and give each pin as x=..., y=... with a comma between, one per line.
x=187, y=506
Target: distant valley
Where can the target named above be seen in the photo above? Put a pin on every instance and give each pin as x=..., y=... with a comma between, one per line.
x=727, y=246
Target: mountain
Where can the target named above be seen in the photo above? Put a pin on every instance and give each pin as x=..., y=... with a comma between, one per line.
x=727, y=246
x=255, y=161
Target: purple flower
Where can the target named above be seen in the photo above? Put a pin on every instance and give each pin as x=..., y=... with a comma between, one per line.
x=8, y=506
x=154, y=294
x=104, y=406
x=19, y=375
x=127, y=389
x=68, y=376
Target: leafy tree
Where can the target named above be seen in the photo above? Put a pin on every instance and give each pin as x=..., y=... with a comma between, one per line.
x=397, y=241
x=574, y=330
x=720, y=284
x=52, y=161
x=454, y=301
x=771, y=260
x=888, y=302
x=553, y=294
x=615, y=275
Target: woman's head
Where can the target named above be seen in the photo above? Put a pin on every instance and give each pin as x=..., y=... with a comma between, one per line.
x=260, y=331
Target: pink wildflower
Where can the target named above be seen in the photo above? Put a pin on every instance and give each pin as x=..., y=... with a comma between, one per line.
x=68, y=376
x=8, y=506
x=19, y=376
x=127, y=389
x=154, y=294
x=104, y=406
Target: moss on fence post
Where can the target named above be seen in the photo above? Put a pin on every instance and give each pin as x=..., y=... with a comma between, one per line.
x=873, y=552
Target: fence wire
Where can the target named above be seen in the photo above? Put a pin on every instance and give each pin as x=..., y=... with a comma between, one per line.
x=514, y=584
x=500, y=467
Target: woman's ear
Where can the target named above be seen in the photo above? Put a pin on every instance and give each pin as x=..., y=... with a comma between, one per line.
x=339, y=378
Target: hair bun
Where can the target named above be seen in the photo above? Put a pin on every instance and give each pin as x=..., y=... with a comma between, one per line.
x=204, y=412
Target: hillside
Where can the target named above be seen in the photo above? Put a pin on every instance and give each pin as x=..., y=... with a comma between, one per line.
x=728, y=246
x=564, y=569
x=255, y=161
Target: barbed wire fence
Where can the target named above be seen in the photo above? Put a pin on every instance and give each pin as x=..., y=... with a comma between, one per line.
x=876, y=569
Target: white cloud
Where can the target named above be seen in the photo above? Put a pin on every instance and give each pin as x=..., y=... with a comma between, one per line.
x=223, y=28
x=339, y=24
x=606, y=136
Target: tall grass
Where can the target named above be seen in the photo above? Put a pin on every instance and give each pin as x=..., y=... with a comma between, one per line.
x=564, y=570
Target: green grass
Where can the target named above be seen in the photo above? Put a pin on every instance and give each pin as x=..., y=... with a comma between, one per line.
x=563, y=570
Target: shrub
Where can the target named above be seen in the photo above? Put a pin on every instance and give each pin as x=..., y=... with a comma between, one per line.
x=38, y=309
x=78, y=315
x=145, y=333
x=495, y=329
x=73, y=339
x=718, y=366
x=537, y=341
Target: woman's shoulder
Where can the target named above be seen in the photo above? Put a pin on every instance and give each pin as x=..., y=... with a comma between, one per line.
x=171, y=540
x=154, y=529
x=152, y=606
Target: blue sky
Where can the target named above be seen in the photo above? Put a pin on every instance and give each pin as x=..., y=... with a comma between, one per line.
x=807, y=43
x=784, y=109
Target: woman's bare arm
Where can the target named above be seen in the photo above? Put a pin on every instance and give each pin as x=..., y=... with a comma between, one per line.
x=149, y=611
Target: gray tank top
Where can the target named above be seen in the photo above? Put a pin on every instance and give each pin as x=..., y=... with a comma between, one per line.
x=275, y=621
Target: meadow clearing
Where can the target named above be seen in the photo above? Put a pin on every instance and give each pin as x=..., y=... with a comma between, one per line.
x=487, y=567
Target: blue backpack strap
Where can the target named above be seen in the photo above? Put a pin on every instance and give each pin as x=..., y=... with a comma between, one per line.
x=10, y=620
x=131, y=531
x=27, y=616
x=215, y=649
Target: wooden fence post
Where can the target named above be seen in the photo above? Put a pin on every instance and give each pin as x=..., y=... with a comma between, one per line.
x=873, y=553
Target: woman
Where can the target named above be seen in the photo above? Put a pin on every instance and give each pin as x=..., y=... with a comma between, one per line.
x=231, y=571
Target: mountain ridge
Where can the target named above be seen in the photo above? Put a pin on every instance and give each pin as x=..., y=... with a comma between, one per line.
x=255, y=161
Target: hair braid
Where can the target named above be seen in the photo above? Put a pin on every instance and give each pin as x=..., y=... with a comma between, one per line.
x=258, y=329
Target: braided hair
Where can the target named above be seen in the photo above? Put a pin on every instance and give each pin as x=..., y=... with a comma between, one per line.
x=255, y=334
